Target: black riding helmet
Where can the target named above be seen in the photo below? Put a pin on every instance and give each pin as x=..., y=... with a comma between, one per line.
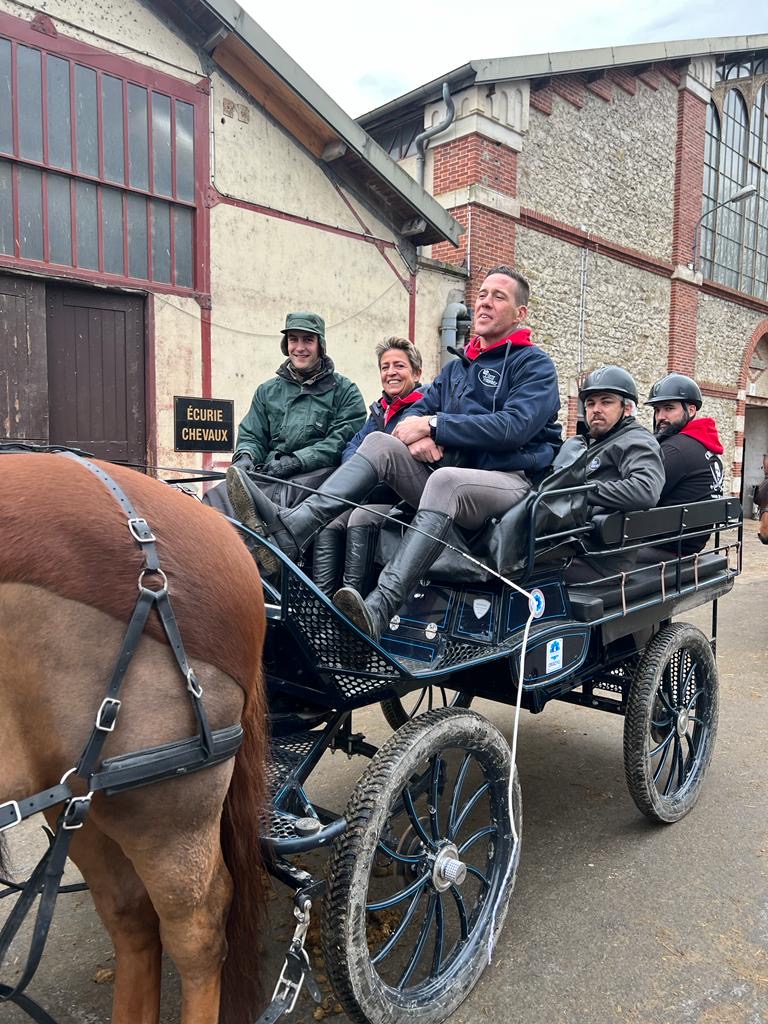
x=675, y=387
x=614, y=379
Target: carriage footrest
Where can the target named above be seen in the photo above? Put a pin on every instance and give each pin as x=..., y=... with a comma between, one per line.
x=169, y=761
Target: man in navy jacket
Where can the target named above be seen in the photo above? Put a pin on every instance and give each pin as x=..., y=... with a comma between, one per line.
x=465, y=452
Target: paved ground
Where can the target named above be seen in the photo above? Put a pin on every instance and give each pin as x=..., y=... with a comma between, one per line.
x=612, y=919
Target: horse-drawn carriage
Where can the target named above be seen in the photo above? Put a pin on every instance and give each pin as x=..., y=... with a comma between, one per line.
x=422, y=861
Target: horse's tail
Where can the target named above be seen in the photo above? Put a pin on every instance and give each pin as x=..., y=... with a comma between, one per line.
x=242, y=818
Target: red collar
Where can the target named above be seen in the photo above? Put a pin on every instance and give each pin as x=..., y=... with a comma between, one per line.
x=393, y=408
x=522, y=336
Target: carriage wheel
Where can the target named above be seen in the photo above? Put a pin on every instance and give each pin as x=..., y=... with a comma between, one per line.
x=671, y=722
x=399, y=710
x=419, y=883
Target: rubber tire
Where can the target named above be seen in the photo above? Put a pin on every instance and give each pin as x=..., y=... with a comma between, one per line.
x=361, y=991
x=670, y=642
x=396, y=714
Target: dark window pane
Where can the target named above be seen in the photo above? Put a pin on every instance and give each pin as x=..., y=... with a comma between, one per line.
x=87, y=126
x=59, y=130
x=161, y=144
x=6, y=107
x=31, y=109
x=137, y=236
x=138, y=149
x=161, y=242
x=112, y=126
x=185, y=151
x=87, y=227
x=59, y=219
x=6, y=208
x=112, y=227
x=182, y=221
x=31, y=213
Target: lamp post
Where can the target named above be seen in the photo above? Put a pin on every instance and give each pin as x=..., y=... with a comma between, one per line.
x=737, y=197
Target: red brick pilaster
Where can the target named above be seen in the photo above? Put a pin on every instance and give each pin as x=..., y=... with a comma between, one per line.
x=689, y=174
x=489, y=235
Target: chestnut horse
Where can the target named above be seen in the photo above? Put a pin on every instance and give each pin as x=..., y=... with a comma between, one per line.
x=762, y=504
x=165, y=866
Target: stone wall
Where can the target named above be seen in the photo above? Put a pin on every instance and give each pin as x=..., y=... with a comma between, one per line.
x=626, y=316
x=724, y=332
x=609, y=166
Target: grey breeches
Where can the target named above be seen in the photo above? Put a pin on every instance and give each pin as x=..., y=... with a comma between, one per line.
x=468, y=496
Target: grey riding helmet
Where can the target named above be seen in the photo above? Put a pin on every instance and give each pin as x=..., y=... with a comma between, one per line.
x=675, y=387
x=614, y=379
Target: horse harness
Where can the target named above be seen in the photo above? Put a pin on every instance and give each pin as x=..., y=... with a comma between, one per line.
x=117, y=774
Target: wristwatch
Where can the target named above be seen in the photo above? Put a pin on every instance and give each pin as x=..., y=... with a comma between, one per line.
x=433, y=427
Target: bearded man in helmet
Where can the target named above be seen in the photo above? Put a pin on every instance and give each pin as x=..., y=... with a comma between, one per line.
x=625, y=463
x=690, y=448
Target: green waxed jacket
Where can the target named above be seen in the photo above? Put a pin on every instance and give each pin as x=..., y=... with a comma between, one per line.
x=312, y=420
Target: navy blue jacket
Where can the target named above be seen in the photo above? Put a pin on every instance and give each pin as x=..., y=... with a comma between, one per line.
x=498, y=410
x=375, y=422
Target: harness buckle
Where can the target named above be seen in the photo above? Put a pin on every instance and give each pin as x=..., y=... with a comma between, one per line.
x=106, y=716
x=141, y=531
x=12, y=805
x=193, y=686
x=75, y=812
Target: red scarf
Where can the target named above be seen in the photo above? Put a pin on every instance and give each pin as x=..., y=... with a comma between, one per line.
x=393, y=407
x=521, y=336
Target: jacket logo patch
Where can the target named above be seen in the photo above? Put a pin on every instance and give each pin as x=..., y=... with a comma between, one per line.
x=594, y=464
x=489, y=378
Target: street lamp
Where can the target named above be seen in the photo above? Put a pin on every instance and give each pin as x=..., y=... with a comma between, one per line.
x=737, y=197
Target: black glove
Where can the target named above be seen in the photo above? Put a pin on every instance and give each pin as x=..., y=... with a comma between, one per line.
x=244, y=460
x=282, y=468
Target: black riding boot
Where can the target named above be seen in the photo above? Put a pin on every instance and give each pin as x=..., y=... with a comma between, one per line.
x=292, y=529
x=361, y=550
x=328, y=560
x=414, y=557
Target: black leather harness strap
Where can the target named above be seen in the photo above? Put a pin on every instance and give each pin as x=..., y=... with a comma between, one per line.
x=125, y=772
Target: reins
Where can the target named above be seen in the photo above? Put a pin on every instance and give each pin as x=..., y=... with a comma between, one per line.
x=129, y=770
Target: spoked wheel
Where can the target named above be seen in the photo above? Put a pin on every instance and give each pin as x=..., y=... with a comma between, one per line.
x=418, y=885
x=671, y=722
x=399, y=710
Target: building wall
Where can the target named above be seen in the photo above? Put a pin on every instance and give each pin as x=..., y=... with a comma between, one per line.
x=606, y=164
x=283, y=236
x=724, y=331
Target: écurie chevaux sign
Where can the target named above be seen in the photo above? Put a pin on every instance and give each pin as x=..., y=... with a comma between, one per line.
x=203, y=424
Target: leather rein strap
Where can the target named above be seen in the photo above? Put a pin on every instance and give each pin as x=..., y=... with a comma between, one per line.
x=46, y=877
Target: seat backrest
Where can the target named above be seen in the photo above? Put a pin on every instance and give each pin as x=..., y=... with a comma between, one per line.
x=620, y=528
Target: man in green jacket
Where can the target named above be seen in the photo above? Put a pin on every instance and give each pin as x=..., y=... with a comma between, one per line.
x=300, y=420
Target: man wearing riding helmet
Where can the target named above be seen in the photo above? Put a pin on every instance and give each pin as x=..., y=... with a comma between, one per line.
x=690, y=446
x=624, y=462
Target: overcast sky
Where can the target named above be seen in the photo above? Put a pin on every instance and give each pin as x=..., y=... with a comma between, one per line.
x=364, y=54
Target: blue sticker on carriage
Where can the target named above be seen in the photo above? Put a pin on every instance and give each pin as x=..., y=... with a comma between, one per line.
x=554, y=655
x=536, y=603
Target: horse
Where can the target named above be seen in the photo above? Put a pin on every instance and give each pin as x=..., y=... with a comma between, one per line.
x=175, y=864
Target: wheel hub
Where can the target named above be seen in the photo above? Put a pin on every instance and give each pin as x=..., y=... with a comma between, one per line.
x=448, y=868
x=682, y=722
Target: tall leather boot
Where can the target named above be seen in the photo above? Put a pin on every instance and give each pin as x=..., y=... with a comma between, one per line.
x=328, y=560
x=421, y=546
x=292, y=529
x=361, y=551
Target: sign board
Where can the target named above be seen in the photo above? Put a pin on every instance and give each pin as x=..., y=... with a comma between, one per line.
x=203, y=424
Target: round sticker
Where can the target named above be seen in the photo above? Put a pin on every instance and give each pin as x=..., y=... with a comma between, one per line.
x=536, y=603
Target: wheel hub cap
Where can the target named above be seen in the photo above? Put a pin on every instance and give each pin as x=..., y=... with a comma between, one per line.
x=448, y=869
x=682, y=722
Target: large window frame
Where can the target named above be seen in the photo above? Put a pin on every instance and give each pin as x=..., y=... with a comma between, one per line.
x=734, y=238
x=139, y=214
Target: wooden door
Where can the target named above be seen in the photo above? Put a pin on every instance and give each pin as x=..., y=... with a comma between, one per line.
x=23, y=366
x=96, y=372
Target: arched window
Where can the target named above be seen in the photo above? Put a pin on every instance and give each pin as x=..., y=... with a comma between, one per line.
x=733, y=243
